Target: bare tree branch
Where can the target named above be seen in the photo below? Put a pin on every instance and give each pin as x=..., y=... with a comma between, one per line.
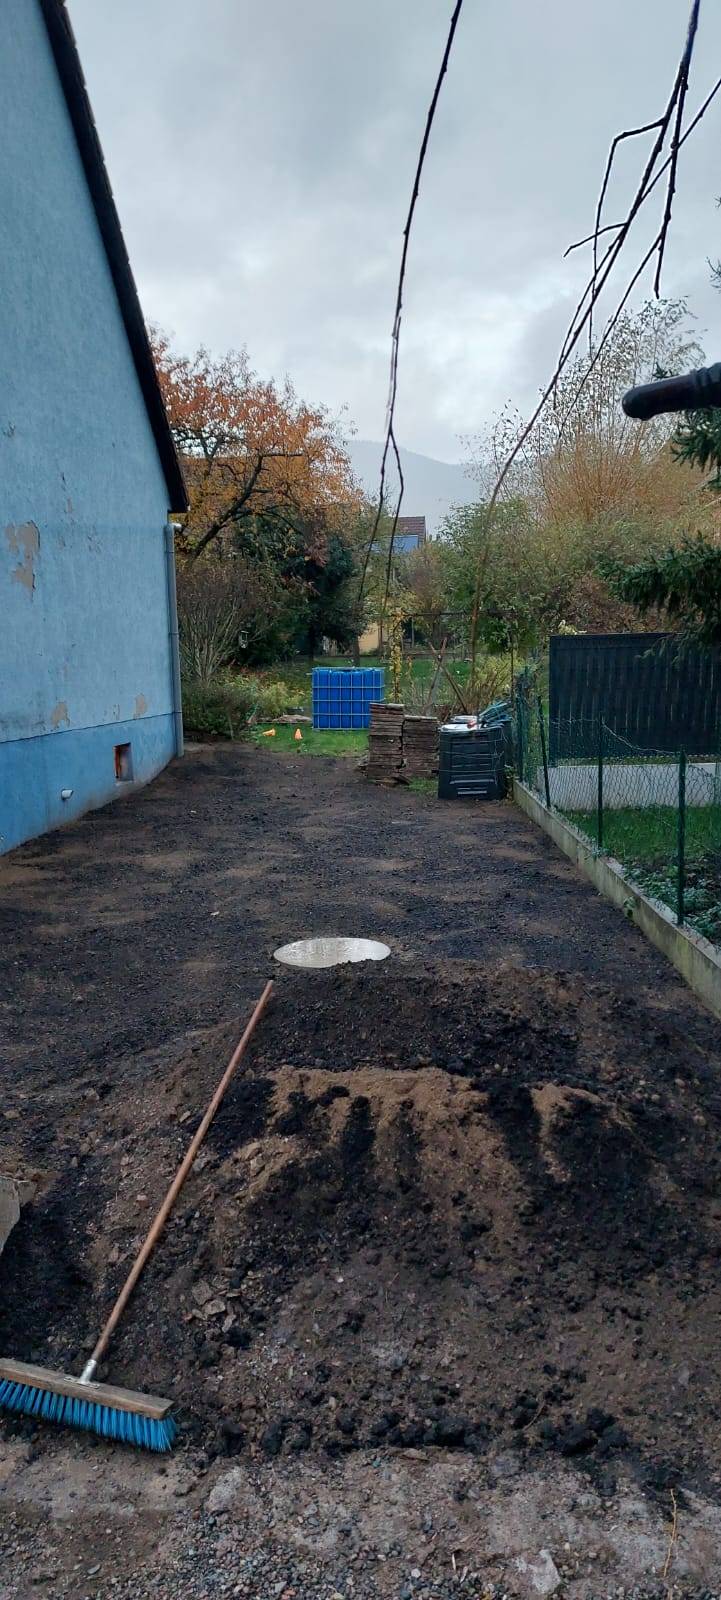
x=389, y=564
x=601, y=270
x=682, y=83
x=614, y=227
x=629, y=133
x=610, y=227
x=231, y=511
x=395, y=336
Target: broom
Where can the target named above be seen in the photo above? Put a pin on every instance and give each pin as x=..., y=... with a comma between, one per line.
x=141, y=1419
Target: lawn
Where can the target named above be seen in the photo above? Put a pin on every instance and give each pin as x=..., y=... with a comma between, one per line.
x=313, y=742
x=649, y=834
x=645, y=840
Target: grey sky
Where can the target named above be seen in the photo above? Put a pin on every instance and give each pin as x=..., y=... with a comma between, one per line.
x=262, y=157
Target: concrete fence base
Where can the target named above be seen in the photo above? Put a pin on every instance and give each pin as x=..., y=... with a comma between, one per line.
x=574, y=785
x=698, y=961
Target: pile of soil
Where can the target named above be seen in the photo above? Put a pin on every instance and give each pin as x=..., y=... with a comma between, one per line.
x=437, y=1208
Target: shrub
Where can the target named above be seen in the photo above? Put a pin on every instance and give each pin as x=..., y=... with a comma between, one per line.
x=216, y=707
x=219, y=707
x=227, y=610
x=225, y=705
x=273, y=698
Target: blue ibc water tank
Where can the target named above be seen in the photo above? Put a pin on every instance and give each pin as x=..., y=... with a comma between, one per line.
x=342, y=697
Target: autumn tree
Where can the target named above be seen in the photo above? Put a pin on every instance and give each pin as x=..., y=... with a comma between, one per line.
x=590, y=487
x=586, y=461
x=252, y=451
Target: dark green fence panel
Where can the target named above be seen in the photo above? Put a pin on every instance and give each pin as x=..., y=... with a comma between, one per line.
x=653, y=690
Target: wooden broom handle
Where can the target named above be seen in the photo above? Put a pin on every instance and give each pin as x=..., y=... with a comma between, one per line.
x=179, y=1179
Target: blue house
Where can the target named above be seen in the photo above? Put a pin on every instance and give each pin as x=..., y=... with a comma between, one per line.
x=89, y=677
x=410, y=534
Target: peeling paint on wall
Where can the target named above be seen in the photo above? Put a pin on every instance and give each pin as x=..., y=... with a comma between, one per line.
x=24, y=541
x=141, y=705
x=59, y=715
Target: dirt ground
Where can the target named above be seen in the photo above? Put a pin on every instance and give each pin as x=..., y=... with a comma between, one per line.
x=455, y=1235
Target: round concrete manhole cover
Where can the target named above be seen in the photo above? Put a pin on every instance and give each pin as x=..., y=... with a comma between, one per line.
x=330, y=952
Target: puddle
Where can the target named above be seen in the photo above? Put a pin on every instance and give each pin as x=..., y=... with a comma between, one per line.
x=328, y=952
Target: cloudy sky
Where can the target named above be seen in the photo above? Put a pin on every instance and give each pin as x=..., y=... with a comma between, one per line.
x=262, y=156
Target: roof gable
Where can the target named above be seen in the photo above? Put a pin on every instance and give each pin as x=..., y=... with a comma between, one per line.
x=70, y=73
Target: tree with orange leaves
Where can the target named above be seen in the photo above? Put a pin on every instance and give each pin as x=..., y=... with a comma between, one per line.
x=254, y=455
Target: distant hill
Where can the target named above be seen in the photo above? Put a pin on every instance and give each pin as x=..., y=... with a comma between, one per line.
x=431, y=487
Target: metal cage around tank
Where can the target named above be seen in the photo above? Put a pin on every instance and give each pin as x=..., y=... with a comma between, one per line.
x=342, y=696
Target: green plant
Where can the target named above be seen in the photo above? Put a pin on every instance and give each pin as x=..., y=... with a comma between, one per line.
x=395, y=641
x=702, y=896
x=645, y=840
x=684, y=582
x=216, y=707
x=272, y=698
x=225, y=705
x=587, y=484
x=698, y=438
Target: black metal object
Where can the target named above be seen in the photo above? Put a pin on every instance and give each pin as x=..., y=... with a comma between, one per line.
x=544, y=755
x=473, y=764
x=520, y=738
x=599, y=808
x=498, y=715
x=695, y=391
x=681, y=862
x=651, y=688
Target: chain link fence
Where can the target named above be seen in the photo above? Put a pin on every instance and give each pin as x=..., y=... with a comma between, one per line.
x=657, y=812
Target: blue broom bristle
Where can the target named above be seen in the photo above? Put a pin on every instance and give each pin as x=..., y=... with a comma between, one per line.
x=108, y=1421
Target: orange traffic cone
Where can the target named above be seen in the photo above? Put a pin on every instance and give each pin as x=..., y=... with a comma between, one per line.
x=297, y=734
x=269, y=733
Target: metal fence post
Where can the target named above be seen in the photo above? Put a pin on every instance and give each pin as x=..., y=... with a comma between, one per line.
x=599, y=818
x=681, y=883
x=519, y=733
x=544, y=755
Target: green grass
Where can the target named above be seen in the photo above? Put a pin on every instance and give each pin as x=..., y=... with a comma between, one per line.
x=314, y=742
x=649, y=834
x=645, y=841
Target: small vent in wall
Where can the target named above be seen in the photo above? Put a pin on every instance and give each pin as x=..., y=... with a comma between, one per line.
x=124, y=763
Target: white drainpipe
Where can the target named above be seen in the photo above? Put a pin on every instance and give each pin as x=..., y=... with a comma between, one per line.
x=173, y=635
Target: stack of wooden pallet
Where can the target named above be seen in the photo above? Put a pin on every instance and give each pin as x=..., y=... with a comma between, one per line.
x=420, y=747
x=385, y=742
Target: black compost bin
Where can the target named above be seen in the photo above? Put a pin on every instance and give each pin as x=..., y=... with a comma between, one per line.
x=473, y=763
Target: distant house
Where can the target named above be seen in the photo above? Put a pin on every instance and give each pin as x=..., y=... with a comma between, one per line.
x=89, y=681
x=410, y=533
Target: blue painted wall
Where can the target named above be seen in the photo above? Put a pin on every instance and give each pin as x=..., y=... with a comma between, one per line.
x=85, y=659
